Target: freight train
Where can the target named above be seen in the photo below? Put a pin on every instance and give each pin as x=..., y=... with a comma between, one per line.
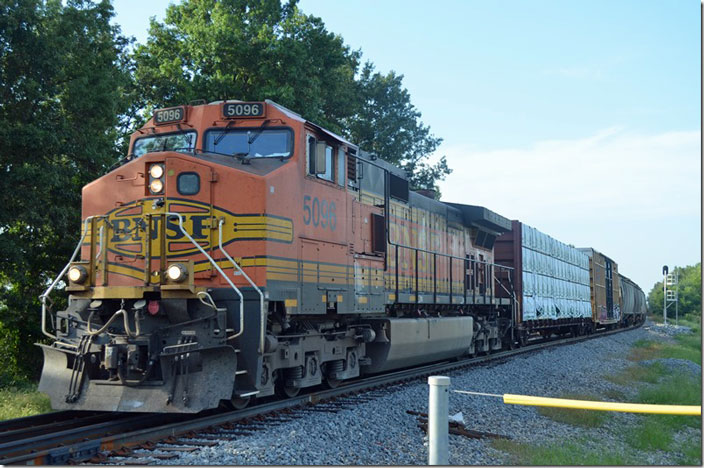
x=240, y=251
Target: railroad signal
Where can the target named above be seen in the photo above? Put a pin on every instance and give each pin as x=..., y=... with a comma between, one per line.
x=670, y=289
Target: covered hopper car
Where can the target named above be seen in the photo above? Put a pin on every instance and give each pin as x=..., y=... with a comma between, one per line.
x=633, y=305
x=241, y=251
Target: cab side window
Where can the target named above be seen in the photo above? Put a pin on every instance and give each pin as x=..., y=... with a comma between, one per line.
x=340, y=167
x=328, y=171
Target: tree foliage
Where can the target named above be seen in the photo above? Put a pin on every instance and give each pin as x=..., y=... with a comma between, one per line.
x=690, y=293
x=250, y=50
x=387, y=124
x=61, y=78
x=254, y=50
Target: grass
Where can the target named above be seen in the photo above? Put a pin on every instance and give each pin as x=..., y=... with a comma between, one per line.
x=615, y=395
x=649, y=435
x=687, y=346
x=656, y=432
x=650, y=373
x=558, y=453
x=655, y=384
x=21, y=401
x=575, y=417
x=691, y=453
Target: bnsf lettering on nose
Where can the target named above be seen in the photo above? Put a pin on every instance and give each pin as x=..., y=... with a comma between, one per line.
x=134, y=229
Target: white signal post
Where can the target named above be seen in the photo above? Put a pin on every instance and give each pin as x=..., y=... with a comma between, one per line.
x=671, y=294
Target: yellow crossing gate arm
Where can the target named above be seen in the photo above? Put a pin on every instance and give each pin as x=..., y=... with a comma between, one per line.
x=602, y=405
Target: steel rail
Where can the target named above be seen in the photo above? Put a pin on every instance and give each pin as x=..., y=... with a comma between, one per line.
x=25, y=432
x=38, y=420
x=59, y=443
x=78, y=450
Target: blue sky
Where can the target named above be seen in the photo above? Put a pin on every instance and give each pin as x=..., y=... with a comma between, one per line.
x=579, y=118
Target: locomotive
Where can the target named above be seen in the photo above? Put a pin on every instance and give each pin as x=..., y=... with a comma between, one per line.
x=240, y=251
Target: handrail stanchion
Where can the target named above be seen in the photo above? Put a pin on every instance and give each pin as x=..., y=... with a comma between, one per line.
x=46, y=293
x=217, y=267
x=262, y=311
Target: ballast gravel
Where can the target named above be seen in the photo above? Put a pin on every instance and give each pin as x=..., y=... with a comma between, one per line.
x=377, y=430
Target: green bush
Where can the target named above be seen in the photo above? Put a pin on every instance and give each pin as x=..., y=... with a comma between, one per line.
x=21, y=401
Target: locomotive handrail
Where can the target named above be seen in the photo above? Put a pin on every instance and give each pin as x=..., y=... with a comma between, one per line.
x=262, y=311
x=488, y=272
x=100, y=243
x=217, y=267
x=46, y=293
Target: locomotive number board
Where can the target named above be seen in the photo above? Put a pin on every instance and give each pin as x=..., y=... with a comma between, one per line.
x=231, y=110
x=170, y=115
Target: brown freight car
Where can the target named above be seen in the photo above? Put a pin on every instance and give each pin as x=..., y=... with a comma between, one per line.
x=605, y=288
x=551, y=282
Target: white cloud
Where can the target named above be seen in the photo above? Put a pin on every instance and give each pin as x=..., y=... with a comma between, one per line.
x=635, y=197
x=611, y=173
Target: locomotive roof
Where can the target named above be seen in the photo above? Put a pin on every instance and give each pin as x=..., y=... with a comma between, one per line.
x=295, y=116
x=479, y=216
x=468, y=215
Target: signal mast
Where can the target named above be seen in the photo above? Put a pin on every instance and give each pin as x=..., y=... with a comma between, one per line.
x=671, y=293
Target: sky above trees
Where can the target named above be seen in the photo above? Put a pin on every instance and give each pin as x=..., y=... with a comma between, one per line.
x=579, y=118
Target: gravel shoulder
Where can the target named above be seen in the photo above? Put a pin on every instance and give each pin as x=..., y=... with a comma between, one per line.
x=379, y=431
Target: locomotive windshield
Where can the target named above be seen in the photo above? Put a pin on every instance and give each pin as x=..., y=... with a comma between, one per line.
x=253, y=142
x=182, y=141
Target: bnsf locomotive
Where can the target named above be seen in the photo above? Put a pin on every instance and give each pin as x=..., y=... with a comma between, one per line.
x=241, y=251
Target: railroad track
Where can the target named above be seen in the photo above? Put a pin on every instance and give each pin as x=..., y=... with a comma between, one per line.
x=73, y=436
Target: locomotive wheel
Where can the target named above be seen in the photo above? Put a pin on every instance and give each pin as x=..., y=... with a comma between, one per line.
x=286, y=391
x=239, y=403
x=332, y=383
x=333, y=367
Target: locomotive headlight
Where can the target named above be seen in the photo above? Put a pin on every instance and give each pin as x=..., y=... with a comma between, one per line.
x=156, y=185
x=177, y=272
x=156, y=171
x=77, y=274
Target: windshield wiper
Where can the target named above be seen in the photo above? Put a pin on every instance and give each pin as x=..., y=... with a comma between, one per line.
x=222, y=135
x=253, y=138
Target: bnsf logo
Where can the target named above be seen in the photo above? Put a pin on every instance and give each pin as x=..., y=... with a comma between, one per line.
x=128, y=228
x=135, y=228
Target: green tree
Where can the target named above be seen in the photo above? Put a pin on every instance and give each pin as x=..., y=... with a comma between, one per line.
x=387, y=124
x=690, y=293
x=254, y=50
x=61, y=81
x=250, y=50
